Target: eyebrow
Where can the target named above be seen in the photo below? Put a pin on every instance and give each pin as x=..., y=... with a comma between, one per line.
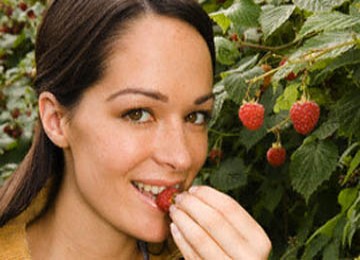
x=155, y=95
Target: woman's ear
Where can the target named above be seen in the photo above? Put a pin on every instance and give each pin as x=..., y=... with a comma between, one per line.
x=53, y=119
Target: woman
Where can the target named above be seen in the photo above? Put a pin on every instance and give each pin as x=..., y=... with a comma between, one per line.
x=124, y=97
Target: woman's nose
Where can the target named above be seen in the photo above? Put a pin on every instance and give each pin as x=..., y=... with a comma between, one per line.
x=172, y=147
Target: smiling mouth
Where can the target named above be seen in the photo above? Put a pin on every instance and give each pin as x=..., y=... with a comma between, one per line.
x=151, y=191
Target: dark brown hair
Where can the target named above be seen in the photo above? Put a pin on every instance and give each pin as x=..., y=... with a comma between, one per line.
x=72, y=45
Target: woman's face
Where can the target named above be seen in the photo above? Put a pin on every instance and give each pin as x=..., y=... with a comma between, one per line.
x=142, y=128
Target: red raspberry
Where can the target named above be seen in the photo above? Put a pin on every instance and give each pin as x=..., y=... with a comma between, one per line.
x=15, y=113
x=252, y=115
x=23, y=6
x=31, y=14
x=166, y=198
x=234, y=37
x=276, y=155
x=291, y=76
x=304, y=116
x=215, y=155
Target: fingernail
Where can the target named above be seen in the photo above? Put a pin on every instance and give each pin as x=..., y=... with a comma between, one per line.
x=193, y=189
x=172, y=209
x=174, y=230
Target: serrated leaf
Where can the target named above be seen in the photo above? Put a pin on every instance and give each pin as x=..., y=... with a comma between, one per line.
x=237, y=87
x=350, y=57
x=311, y=165
x=316, y=245
x=318, y=5
x=220, y=98
x=326, y=129
x=353, y=165
x=347, y=197
x=230, y=175
x=222, y=20
x=250, y=138
x=324, y=46
x=226, y=51
x=245, y=64
x=348, y=113
x=272, y=18
x=328, y=22
x=244, y=13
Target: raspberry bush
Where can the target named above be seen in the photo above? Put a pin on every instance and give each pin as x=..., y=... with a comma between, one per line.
x=276, y=52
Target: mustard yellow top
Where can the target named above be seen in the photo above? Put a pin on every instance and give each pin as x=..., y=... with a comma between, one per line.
x=13, y=242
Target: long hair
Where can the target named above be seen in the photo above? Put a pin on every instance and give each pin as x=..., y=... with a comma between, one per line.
x=72, y=45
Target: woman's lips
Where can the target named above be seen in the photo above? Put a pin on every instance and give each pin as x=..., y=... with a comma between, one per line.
x=152, y=191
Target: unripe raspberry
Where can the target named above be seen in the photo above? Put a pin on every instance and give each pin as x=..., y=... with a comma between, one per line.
x=252, y=115
x=304, y=116
x=276, y=155
x=267, y=79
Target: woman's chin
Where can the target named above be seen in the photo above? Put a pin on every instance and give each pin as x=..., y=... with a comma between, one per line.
x=156, y=236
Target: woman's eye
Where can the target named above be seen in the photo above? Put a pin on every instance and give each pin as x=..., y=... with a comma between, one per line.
x=199, y=118
x=138, y=115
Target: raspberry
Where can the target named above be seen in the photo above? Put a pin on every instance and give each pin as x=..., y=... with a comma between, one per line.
x=215, y=155
x=23, y=6
x=252, y=115
x=166, y=198
x=276, y=155
x=234, y=37
x=304, y=116
x=267, y=79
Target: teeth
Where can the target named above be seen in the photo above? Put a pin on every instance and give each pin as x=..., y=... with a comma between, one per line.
x=155, y=190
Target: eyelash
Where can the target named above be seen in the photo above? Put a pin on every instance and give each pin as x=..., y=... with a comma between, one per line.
x=127, y=115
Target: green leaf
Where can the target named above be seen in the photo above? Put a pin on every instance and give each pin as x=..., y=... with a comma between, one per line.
x=244, y=13
x=245, y=64
x=311, y=165
x=353, y=221
x=289, y=97
x=328, y=22
x=316, y=245
x=326, y=129
x=347, y=197
x=272, y=18
x=250, y=138
x=350, y=57
x=230, y=175
x=226, y=51
x=348, y=113
x=222, y=20
x=318, y=5
x=220, y=96
x=237, y=87
x=353, y=165
x=323, y=46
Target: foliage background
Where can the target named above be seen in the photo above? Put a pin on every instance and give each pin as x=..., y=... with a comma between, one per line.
x=310, y=206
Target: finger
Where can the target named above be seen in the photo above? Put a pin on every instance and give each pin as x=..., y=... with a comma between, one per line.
x=186, y=250
x=215, y=224
x=195, y=236
x=236, y=215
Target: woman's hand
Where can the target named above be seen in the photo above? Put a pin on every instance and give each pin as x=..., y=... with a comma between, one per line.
x=208, y=224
